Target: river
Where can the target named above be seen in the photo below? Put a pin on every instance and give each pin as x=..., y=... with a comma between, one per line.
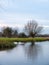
x=27, y=54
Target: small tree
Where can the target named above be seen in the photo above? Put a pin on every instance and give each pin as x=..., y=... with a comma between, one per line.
x=22, y=34
x=32, y=28
x=15, y=33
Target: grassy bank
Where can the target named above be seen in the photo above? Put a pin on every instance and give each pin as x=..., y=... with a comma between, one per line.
x=36, y=39
x=8, y=42
x=7, y=45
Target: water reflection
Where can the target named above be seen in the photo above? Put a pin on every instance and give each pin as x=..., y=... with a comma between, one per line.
x=7, y=48
x=28, y=54
x=32, y=50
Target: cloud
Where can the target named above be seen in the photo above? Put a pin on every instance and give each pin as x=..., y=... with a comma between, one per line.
x=13, y=3
x=45, y=26
x=19, y=20
x=4, y=3
x=13, y=26
x=11, y=22
x=40, y=0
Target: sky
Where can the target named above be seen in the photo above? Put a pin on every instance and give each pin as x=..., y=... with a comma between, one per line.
x=18, y=12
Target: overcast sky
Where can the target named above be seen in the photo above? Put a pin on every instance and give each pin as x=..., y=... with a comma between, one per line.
x=18, y=12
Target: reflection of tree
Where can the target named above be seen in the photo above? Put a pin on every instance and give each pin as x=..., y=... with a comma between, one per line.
x=32, y=51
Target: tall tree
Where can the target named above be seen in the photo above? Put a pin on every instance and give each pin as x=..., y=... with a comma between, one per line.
x=32, y=28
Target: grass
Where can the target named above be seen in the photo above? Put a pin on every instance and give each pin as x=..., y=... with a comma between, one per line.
x=7, y=45
x=8, y=42
x=24, y=39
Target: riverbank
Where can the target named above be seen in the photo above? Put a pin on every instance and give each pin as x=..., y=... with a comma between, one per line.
x=9, y=42
x=36, y=39
x=7, y=45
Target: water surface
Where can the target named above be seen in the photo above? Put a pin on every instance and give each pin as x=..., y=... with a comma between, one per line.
x=27, y=54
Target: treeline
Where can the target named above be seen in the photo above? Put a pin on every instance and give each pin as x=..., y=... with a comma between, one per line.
x=43, y=35
x=10, y=32
x=31, y=29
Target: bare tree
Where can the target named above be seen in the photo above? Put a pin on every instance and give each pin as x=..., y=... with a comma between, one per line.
x=32, y=28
